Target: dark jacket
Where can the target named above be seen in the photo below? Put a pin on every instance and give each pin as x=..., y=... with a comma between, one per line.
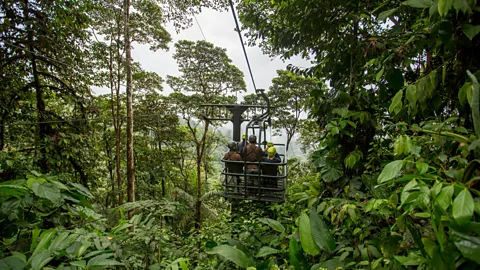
x=270, y=169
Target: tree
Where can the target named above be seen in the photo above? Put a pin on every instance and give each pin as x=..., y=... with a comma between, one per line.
x=209, y=76
x=116, y=64
x=289, y=95
x=51, y=40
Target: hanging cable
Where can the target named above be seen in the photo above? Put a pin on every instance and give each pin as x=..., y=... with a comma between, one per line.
x=243, y=45
x=201, y=31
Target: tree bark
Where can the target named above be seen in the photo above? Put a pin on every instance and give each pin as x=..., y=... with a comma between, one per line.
x=130, y=157
x=118, y=127
x=109, y=164
x=200, y=152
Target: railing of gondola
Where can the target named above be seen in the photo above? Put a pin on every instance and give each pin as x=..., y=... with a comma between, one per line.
x=259, y=175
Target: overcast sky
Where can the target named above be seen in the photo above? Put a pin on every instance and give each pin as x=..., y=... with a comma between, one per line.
x=218, y=28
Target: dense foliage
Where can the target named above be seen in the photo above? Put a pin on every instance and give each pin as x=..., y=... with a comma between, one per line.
x=388, y=115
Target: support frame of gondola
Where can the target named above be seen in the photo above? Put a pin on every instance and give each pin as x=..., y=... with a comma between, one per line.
x=256, y=122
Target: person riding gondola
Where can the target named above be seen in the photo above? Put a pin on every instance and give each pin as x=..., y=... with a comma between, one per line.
x=267, y=169
x=233, y=167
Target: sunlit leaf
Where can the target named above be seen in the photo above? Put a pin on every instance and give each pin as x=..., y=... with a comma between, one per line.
x=390, y=171
x=306, y=237
x=463, y=207
x=418, y=3
x=323, y=238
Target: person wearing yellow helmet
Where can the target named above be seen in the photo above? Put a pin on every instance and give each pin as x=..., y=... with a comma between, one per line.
x=270, y=144
x=270, y=169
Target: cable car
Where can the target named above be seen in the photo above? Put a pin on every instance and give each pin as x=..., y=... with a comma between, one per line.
x=268, y=182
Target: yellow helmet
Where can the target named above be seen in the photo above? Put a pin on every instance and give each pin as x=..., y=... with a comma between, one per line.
x=271, y=151
x=244, y=136
x=270, y=144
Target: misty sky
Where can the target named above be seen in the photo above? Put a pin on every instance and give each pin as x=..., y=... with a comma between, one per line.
x=218, y=28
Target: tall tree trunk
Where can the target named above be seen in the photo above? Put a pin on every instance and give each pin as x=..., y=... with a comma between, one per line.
x=42, y=127
x=200, y=153
x=118, y=127
x=162, y=173
x=130, y=158
x=115, y=127
x=109, y=164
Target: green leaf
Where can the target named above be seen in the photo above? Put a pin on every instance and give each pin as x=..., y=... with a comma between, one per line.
x=101, y=257
x=12, y=190
x=106, y=262
x=297, y=260
x=379, y=74
x=462, y=94
x=80, y=264
x=384, y=15
x=40, y=260
x=474, y=145
x=418, y=3
x=444, y=6
x=45, y=238
x=468, y=245
x=470, y=31
x=265, y=251
x=461, y=5
x=306, y=237
x=277, y=226
x=32, y=181
x=423, y=215
x=12, y=263
x=444, y=199
x=323, y=238
x=82, y=190
x=463, y=207
x=390, y=171
x=396, y=105
x=422, y=167
x=232, y=254
x=411, y=94
x=47, y=191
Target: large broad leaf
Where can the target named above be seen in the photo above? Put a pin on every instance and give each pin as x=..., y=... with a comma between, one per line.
x=412, y=96
x=331, y=173
x=323, y=238
x=12, y=263
x=396, y=105
x=82, y=190
x=306, y=237
x=390, y=171
x=470, y=31
x=297, y=260
x=277, y=226
x=40, y=260
x=418, y=3
x=47, y=191
x=444, y=6
x=45, y=239
x=468, y=245
x=232, y=254
x=444, y=199
x=463, y=207
x=461, y=5
x=265, y=251
x=12, y=190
